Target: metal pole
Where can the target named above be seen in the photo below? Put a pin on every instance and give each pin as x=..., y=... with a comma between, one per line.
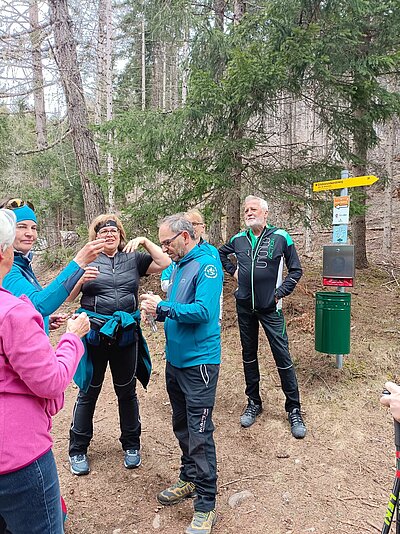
x=343, y=192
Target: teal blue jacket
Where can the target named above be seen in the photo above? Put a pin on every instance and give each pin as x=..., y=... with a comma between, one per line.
x=21, y=280
x=191, y=311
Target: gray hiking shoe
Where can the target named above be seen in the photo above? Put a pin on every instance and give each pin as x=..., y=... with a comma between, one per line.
x=79, y=464
x=132, y=458
x=202, y=522
x=250, y=413
x=177, y=493
x=297, y=426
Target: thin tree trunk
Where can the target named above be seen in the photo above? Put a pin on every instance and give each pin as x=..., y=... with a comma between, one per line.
x=164, y=77
x=109, y=111
x=101, y=64
x=387, y=211
x=143, y=64
x=82, y=138
x=50, y=219
x=185, y=72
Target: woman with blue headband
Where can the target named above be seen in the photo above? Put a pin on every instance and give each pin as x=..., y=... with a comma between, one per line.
x=33, y=378
x=21, y=280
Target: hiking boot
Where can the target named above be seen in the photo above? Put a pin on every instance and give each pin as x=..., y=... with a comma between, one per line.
x=297, y=426
x=79, y=464
x=251, y=412
x=202, y=522
x=177, y=493
x=132, y=458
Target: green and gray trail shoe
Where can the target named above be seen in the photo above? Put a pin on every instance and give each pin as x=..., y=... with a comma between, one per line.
x=202, y=522
x=177, y=493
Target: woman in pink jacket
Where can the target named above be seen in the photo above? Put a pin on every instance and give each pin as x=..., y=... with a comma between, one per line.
x=33, y=378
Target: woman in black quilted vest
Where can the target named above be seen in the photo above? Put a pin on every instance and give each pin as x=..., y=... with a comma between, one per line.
x=109, y=295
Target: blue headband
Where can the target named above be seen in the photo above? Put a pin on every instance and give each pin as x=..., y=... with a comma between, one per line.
x=25, y=213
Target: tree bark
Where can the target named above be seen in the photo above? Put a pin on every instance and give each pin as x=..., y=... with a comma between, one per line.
x=51, y=219
x=143, y=64
x=82, y=138
x=233, y=198
x=358, y=223
x=109, y=104
x=185, y=59
x=387, y=217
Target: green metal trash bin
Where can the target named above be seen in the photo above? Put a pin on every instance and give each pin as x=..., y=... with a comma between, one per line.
x=332, y=322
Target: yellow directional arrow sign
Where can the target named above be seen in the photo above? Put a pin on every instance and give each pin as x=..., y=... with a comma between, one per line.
x=356, y=181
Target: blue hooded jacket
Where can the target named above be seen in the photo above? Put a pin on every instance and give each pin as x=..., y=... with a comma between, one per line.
x=191, y=311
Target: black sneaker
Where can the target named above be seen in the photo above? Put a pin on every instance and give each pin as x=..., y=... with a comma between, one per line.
x=252, y=410
x=297, y=426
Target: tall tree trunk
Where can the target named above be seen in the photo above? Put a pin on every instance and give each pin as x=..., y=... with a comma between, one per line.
x=109, y=104
x=164, y=77
x=143, y=64
x=82, y=138
x=233, y=198
x=50, y=220
x=358, y=223
x=214, y=232
x=219, y=14
x=185, y=59
x=387, y=211
x=101, y=64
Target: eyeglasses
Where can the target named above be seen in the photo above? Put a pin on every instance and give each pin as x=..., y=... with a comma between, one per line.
x=197, y=223
x=105, y=231
x=15, y=203
x=167, y=242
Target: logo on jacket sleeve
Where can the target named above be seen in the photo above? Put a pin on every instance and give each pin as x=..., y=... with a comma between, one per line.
x=210, y=271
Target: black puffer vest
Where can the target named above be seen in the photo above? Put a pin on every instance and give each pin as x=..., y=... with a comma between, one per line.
x=116, y=286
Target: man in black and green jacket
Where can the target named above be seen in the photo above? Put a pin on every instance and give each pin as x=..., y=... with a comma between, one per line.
x=261, y=252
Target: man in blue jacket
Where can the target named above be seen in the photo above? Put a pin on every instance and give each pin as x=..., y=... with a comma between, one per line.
x=193, y=353
x=261, y=252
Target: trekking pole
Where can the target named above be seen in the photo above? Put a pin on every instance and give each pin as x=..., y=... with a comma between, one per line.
x=393, y=503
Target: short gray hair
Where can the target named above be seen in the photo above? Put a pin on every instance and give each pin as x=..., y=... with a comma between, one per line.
x=263, y=203
x=7, y=228
x=178, y=223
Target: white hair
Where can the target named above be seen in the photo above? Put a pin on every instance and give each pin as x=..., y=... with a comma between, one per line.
x=263, y=203
x=7, y=228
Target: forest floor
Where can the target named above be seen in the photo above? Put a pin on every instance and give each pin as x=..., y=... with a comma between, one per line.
x=338, y=479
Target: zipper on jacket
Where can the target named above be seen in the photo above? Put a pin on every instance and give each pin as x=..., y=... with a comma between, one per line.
x=115, y=289
x=253, y=258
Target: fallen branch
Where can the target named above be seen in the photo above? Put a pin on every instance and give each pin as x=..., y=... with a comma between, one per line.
x=241, y=479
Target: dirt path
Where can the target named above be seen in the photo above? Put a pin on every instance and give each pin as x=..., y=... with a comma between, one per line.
x=336, y=480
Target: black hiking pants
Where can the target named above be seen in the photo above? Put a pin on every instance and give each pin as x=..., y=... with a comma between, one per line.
x=192, y=394
x=274, y=327
x=122, y=362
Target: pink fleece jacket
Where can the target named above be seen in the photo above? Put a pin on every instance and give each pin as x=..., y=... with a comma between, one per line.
x=33, y=378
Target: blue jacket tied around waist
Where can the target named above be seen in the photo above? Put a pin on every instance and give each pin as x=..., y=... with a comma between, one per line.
x=119, y=321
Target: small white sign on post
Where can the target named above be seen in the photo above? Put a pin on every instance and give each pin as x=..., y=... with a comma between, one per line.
x=341, y=210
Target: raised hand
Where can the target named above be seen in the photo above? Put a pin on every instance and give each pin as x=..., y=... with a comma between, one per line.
x=89, y=252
